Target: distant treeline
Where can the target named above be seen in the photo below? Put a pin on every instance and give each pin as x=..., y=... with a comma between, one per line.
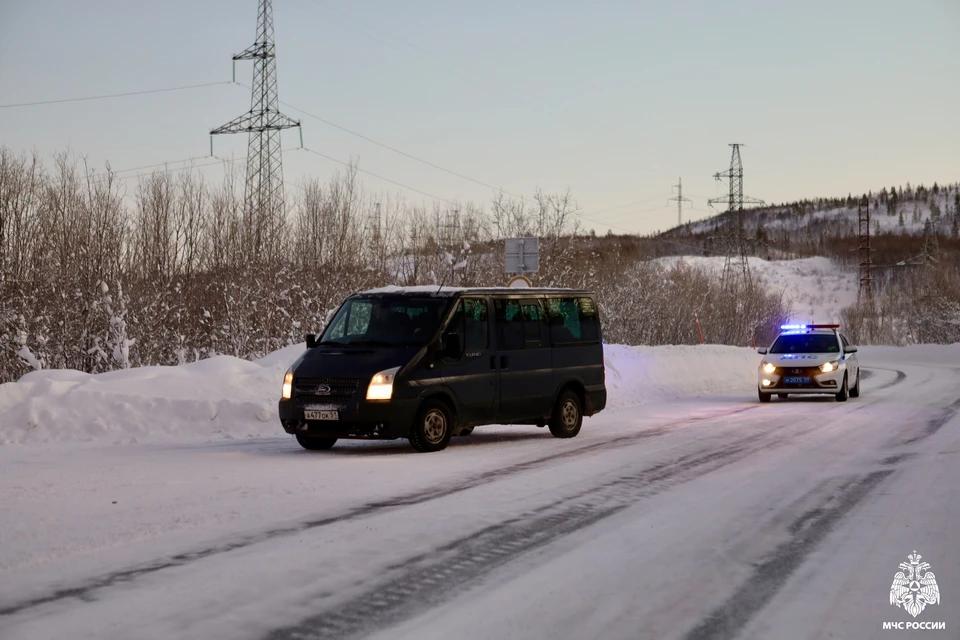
x=95, y=279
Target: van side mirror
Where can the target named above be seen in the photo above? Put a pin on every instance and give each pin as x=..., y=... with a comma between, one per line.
x=451, y=346
x=762, y=351
x=311, y=339
x=849, y=349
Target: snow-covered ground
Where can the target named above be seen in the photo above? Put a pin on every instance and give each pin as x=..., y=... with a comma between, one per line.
x=685, y=510
x=816, y=289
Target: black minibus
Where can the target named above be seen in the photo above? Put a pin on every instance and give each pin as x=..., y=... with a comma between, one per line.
x=428, y=363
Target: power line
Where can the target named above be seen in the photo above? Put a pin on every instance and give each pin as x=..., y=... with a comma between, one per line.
x=380, y=177
x=393, y=149
x=107, y=96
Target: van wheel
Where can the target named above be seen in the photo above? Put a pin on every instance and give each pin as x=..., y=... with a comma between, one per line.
x=567, y=415
x=315, y=443
x=843, y=394
x=433, y=427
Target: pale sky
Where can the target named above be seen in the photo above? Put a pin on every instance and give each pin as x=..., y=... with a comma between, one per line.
x=613, y=100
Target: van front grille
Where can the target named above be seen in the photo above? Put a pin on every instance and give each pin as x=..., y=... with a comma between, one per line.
x=326, y=388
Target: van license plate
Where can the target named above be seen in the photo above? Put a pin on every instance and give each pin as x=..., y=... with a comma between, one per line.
x=797, y=380
x=327, y=415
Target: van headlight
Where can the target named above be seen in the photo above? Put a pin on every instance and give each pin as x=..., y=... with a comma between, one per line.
x=768, y=367
x=287, y=385
x=381, y=384
x=827, y=367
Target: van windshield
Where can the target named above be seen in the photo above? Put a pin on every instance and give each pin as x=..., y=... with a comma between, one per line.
x=385, y=321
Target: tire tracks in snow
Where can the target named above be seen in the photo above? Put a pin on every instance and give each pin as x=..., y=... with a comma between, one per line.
x=84, y=590
x=806, y=532
x=429, y=579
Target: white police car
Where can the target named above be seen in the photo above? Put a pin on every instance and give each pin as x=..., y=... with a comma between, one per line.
x=809, y=358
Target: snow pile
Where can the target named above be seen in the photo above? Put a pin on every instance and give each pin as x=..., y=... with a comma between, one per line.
x=816, y=289
x=646, y=375
x=226, y=397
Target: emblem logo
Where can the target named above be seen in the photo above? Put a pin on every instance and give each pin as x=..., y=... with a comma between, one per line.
x=323, y=390
x=914, y=587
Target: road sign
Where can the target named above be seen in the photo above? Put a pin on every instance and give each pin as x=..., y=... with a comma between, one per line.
x=522, y=255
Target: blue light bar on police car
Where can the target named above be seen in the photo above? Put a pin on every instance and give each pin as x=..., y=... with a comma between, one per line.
x=807, y=327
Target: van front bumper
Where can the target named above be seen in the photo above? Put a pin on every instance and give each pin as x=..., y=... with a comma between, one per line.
x=357, y=419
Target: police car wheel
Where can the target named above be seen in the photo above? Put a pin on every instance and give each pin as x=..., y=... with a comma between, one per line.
x=843, y=394
x=764, y=397
x=315, y=443
x=567, y=415
x=433, y=427
x=855, y=389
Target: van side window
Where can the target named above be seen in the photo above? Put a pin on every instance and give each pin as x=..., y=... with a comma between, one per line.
x=520, y=324
x=474, y=324
x=564, y=316
x=589, y=320
x=510, y=324
x=532, y=323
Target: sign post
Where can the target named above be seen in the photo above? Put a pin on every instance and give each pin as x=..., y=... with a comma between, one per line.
x=521, y=255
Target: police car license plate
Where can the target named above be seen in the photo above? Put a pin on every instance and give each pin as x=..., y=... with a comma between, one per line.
x=797, y=380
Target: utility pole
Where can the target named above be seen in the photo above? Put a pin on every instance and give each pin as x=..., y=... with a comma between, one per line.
x=865, y=292
x=263, y=197
x=679, y=199
x=735, y=263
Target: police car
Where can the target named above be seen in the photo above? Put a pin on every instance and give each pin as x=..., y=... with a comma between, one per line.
x=809, y=358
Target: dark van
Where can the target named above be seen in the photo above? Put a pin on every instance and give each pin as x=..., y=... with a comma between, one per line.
x=426, y=364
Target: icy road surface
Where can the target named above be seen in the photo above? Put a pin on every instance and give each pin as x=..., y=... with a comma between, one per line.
x=704, y=517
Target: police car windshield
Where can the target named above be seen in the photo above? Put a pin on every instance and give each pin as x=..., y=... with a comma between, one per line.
x=806, y=343
x=385, y=321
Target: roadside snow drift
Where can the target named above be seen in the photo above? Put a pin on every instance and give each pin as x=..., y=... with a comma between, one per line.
x=226, y=397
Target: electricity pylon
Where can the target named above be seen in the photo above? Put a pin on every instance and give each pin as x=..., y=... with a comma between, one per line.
x=865, y=292
x=679, y=199
x=735, y=263
x=263, y=210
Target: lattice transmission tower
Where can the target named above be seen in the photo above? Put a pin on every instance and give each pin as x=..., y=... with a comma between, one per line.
x=679, y=199
x=263, y=210
x=865, y=291
x=734, y=242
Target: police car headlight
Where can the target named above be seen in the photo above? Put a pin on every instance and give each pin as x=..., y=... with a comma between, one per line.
x=827, y=367
x=287, y=390
x=381, y=384
x=768, y=367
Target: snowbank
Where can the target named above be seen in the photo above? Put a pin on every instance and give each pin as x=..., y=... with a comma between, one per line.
x=226, y=397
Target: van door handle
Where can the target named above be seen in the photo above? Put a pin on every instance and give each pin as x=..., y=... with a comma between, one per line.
x=504, y=363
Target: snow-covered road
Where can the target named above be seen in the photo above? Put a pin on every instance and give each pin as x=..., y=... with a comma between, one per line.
x=709, y=516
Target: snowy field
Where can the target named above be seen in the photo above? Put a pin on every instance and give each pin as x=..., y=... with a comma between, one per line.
x=686, y=510
x=816, y=289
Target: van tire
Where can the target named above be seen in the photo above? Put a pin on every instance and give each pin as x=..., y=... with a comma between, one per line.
x=433, y=427
x=315, y=443
x=567, y=415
